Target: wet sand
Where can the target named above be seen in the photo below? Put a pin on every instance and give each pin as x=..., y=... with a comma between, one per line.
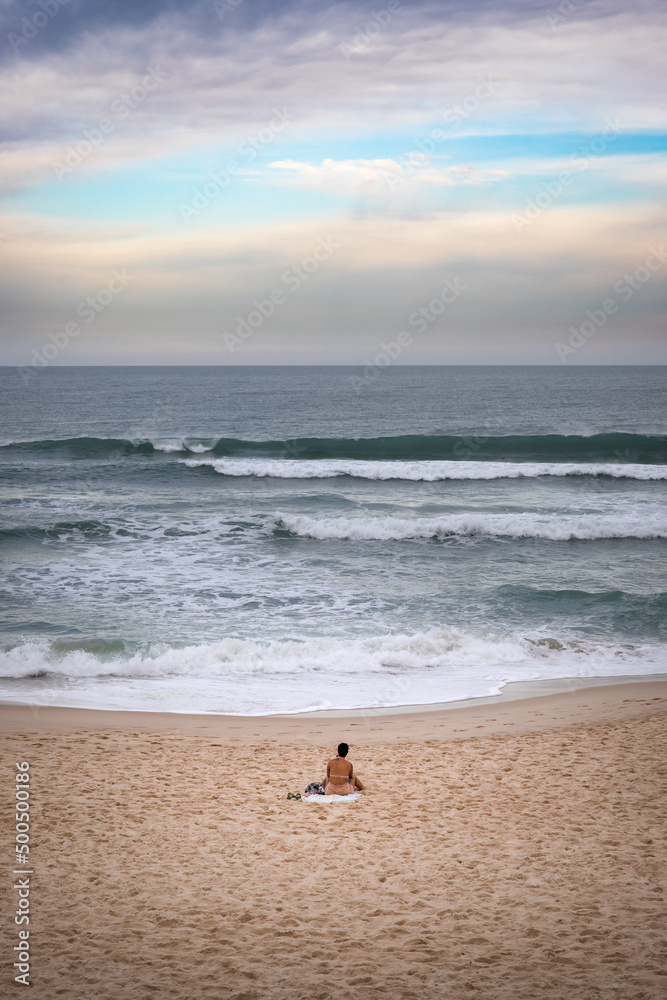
x=505, y=850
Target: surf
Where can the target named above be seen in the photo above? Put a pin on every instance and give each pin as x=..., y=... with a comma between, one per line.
x=607, y=448
x=427, y=471
x=557, y=528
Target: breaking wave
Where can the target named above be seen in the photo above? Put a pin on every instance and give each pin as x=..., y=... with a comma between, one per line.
x=519, y=525
x=606, y=448
x=426, y=471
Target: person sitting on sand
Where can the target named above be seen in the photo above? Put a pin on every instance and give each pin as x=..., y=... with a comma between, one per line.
x=340, y=779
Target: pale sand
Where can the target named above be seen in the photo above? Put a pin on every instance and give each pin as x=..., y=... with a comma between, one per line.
x=525, y=861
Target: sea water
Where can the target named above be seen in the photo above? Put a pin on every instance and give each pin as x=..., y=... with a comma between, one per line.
x=259, y=540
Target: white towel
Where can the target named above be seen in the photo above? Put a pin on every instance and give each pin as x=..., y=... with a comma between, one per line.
x=331, y=798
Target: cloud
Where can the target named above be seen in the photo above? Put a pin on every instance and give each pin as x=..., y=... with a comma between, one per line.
x=379, y=176
x=360, y=121
x=521, y=289
x=225, y=78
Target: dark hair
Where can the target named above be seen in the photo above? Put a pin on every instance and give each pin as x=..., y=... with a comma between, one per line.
x=342, y=749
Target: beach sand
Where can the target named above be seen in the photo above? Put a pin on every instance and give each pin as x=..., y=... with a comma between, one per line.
x=511, y=850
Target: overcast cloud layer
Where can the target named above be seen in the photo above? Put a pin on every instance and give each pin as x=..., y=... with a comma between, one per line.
x=237, y=182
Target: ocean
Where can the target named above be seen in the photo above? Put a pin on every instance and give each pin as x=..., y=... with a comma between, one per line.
x=283, y=539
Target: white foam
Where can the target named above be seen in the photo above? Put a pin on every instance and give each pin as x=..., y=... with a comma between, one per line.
x=427, y=471
x=175, y=445
x=560, y=527
x=243, y=657
x=248, y=678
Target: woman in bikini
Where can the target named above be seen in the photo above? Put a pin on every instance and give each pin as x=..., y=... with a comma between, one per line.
x=340, y=779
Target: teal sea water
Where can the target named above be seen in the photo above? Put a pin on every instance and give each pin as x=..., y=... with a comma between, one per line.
x=257, y=540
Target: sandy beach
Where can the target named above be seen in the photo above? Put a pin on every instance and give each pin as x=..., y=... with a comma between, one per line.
x=506, y=850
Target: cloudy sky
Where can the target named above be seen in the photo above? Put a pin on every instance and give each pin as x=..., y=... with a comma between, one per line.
x=253, y=182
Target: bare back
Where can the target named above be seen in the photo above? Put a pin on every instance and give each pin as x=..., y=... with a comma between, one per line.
x=339, y=770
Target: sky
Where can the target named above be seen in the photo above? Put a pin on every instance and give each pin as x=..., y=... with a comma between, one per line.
x=239, y=182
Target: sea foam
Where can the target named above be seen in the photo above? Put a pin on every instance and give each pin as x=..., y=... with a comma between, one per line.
x=243, y=677
x=426, y=471
x=560, y=527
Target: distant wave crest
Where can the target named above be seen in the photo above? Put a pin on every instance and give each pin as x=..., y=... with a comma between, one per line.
x=615, y=448
x=426, y=471
x=557, y=527
x=519, y=525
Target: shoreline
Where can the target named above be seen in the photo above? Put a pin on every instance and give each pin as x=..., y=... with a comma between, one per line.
x=511, y=691
x=521, y=707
